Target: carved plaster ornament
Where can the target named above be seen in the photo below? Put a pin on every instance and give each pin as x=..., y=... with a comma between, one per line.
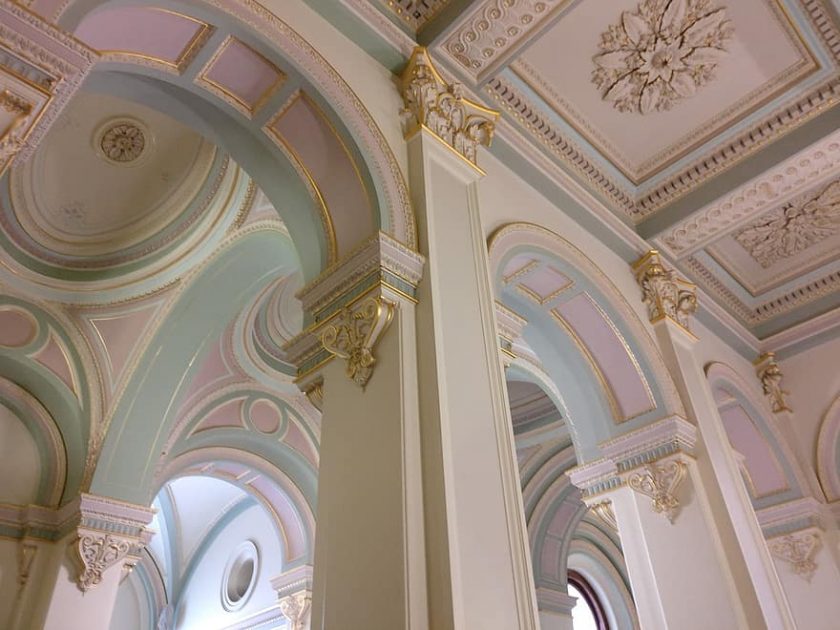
x=770, y=375
x=97, y=552
x=122, y=142
x=26, y=557
x=793, y=228
x=660, y=482
x=296, y=609
x=605, y=512
x=665, y=294
x=441, y=108
x=315, y=393
x=660, y=54
x=354, y=335
x=798, y=550
x=11, y=138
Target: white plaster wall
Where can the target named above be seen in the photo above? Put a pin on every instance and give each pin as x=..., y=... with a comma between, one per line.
x=200, y=607
x=131, y=611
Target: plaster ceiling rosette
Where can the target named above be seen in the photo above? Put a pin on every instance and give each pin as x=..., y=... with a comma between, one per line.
x=116, y=192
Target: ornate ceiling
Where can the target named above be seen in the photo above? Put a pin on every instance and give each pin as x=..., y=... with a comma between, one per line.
x=675, y=115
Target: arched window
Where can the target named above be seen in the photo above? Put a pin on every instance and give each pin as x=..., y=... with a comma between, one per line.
x=588, y=613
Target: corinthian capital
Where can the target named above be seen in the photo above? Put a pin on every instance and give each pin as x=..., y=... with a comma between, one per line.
x=664, y=292
x=440, y=107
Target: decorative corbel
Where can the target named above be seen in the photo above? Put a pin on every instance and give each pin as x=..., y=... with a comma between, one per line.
x=604, y=511
x=664, y=292
x=355, y=333
x=430, y=102
x=770, y=375
x=26, y=558
x=296, y=608
x=661, y=482
x=97, y=552
x=798, y=550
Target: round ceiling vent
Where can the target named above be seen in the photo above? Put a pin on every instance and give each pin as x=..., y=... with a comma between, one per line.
x=240, y=576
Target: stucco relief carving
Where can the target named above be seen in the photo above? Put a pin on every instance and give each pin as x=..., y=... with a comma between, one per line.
x=660, y=53
x=604, y=511
x=661, y=482
x=296, y=608
x=415, y=12
x=798, y=550
x=494, y=28
x=441, y=108
x=664, y=293
x=354, y=335
x=97, y=553
x=793, y=227
x=122, y=142
x=770, y=375
x=11, y=138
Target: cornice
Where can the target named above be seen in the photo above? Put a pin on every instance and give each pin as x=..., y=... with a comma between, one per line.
x=793, y=516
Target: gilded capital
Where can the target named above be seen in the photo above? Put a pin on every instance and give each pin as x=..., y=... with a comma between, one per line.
x=440, y=107
x=296, y=608
x=770, y=375
x=664, y=292
x=661, y=482
x=798, y=550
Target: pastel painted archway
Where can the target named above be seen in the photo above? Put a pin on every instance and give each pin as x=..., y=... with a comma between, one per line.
x=828, y=452
x=587, y=337
x=243, y=77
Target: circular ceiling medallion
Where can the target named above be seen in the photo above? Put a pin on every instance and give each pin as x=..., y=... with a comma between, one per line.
x=122, y=141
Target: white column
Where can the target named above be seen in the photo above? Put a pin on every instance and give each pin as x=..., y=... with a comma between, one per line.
x=420, y=521
x=678, y=567
x=671, y=303
x=72, y=582
x=555, y=609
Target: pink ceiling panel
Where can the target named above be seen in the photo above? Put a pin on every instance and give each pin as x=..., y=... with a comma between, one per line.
x=764, y=470
x=243, y=74
x=146, y=31
x=545, y=282
x=16, y=328
x=309, y=135
x=609, y=353
x=516, y=264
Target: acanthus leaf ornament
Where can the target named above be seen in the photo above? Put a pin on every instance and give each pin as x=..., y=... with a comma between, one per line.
x=799, y=550
x=770, y=375
x=431, y=103
x=354, y=335
x=604, y=511
x=665, y=293
x=661, y=482
x=660, y=53
x=296, y=609
x=98, y=552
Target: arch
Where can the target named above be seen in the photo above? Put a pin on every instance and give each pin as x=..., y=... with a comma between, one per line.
x=268, y=44
x=828, y=452
x=770, y=470
x=585, y=334
x=207, y=301
x=55, y=367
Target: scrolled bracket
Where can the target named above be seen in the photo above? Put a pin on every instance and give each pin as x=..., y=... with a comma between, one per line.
x=798, y=550
x=354, y=335
x=97, y=552
x=661, y=482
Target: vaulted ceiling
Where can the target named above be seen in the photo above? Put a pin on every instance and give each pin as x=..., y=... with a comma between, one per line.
x=708, y=127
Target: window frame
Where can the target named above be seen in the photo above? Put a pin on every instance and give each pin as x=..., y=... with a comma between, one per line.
x=590, y=597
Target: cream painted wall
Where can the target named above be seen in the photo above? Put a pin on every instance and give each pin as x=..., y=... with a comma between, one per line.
x=20, y=467
x=131, y=611
x=8, y=579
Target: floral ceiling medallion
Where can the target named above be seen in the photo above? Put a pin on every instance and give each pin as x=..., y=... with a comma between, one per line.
x=660, y=53
x=121, y=141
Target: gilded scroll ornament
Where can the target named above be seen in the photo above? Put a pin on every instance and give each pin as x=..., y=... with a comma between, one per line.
x=604, y=511
x=354, y=335
x=11, y=138
x=441, y=108
x=296, y=609
x=97, y=553
x=799, y=550
x=660, y=54
x=770, y=375
x=660, y=482
x=665, y=293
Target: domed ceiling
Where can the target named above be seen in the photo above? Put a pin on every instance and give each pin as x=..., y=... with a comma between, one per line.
x=113, y=183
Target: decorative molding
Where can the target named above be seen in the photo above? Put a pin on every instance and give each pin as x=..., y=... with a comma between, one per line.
x=774, y=187
x=122, y=142
x=660, y=53
x=604, y=511
x=97, y=553
x=495, y=28
x=415, y=13
x=297, y=609
x=510, y=326
x=26, y=558
x=799, y=551
x=661, y=482
x=315, y=393
x=770, y=375
x=354, y=334
x=792, y=228
x=792, y=516
x=665, y=294
x=431, y=103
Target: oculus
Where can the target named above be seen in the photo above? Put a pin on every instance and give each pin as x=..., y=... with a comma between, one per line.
x=240, y=576
x=660, y=54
